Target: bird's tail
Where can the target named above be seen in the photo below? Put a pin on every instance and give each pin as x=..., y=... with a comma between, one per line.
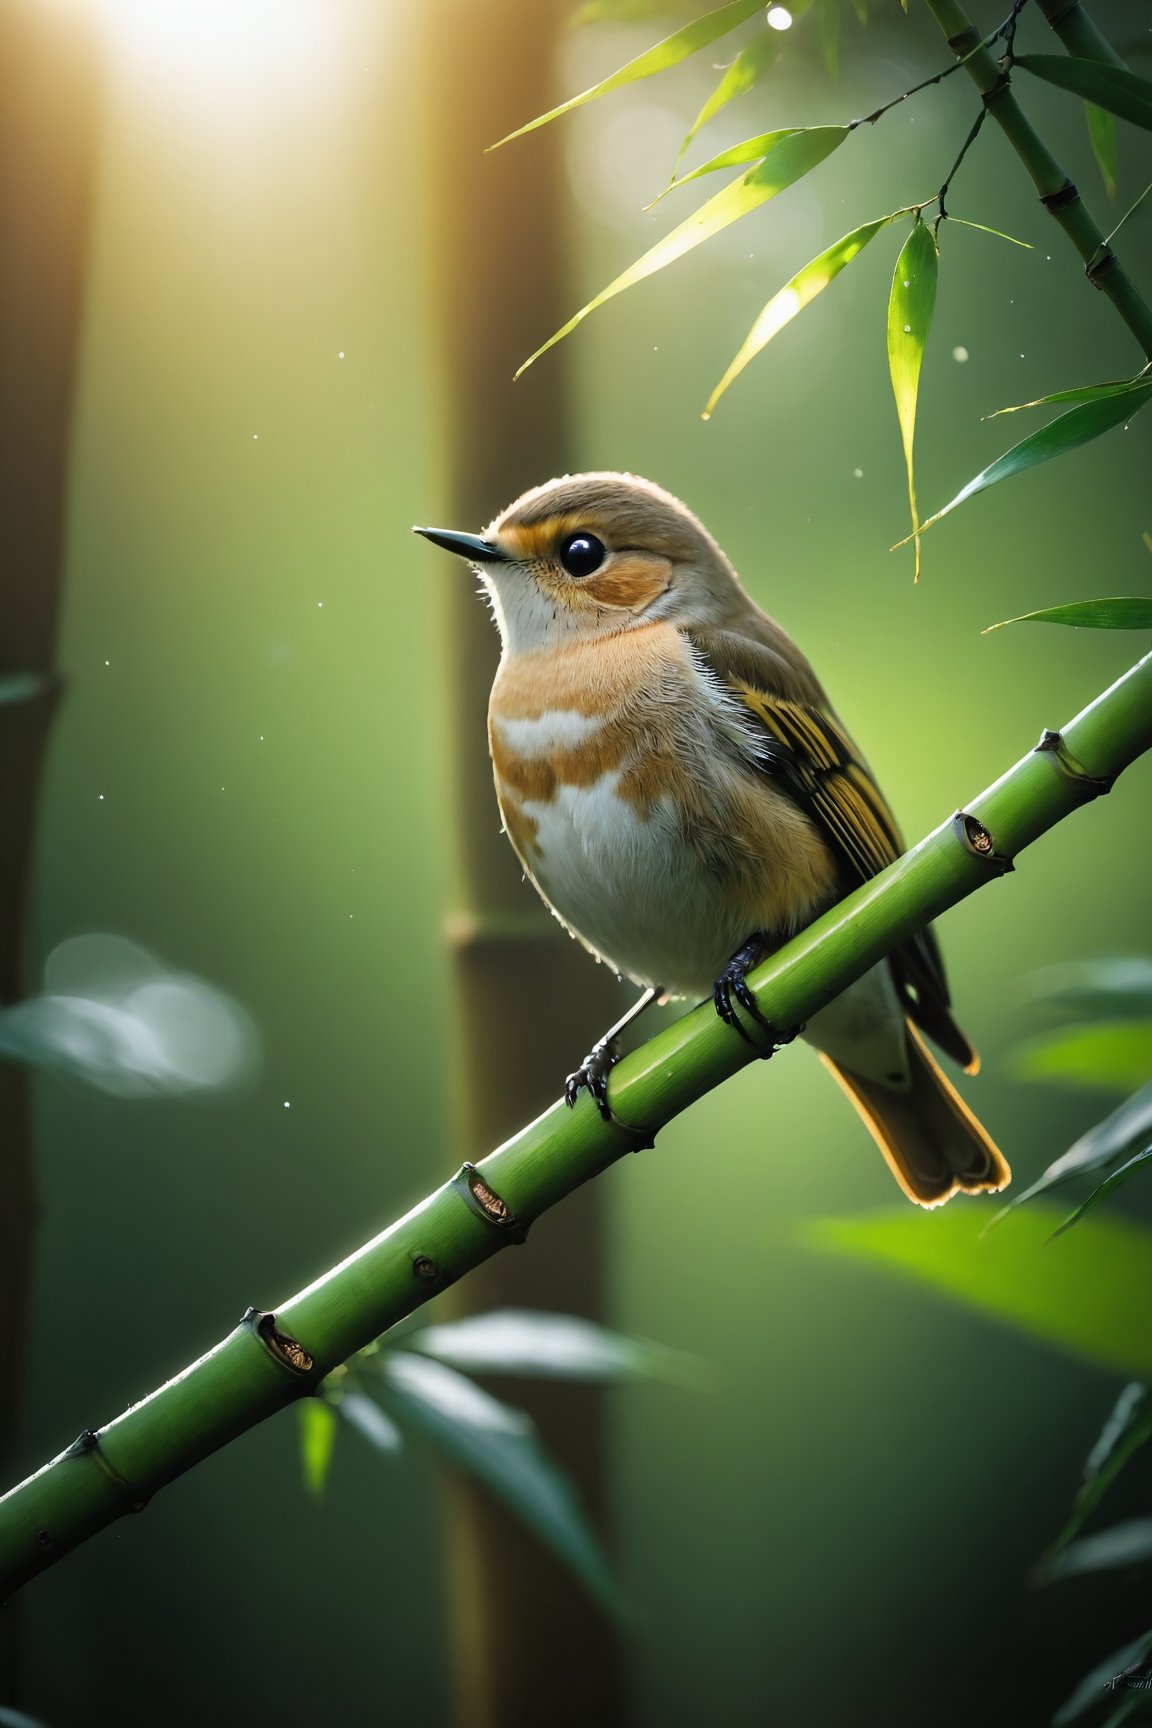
x=934, y=1145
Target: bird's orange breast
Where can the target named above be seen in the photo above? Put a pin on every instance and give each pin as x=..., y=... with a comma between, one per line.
x=631, y=720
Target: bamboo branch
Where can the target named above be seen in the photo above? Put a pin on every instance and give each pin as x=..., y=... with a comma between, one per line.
x=1056, y=191
x=271, y=1359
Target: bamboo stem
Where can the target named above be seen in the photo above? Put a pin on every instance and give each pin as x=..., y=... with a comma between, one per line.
x=1053, y=186
x=1078, y=31
x=268, y=1361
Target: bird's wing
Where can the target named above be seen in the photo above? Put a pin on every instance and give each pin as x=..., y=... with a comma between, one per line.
x=809, y=755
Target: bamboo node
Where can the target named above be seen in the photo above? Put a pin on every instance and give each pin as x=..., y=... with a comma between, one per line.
x=487, y=1204
x=280, y=1345
x=1087, y=786
x=87, y=1445
x=1059, y=200
x=980, y=843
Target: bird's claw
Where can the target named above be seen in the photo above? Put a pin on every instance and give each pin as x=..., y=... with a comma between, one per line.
x=592, y=1077
x=731, y=988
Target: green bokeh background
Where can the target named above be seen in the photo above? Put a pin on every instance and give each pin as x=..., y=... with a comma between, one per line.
x=249, y=777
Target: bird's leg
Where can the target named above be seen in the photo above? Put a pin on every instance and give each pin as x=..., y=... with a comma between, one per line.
x=593, y=1072
x=732, y=987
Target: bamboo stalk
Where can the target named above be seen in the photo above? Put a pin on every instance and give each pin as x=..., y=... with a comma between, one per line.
x=1052, y=184
x=520, y=1623
x=49, y=94
x=1078, y=31
x=268, y=1361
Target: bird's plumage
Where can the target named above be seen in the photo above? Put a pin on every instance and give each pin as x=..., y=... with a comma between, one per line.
x=675, y=782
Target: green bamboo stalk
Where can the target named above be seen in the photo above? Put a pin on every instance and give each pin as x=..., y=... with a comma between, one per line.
x=1078, y=31
x=270, y=1360
x=1053, y=186
x=521, y=1625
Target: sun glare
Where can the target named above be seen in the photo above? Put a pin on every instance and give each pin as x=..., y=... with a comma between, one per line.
x=209, y=43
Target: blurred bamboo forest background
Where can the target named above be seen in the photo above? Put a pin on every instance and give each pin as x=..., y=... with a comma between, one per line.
x=250, y=776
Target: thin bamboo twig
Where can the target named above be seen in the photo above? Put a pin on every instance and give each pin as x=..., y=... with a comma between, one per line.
x=271, y=1359
x=1056, y=191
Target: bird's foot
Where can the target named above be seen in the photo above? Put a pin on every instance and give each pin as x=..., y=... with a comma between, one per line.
x=592, y=1076
x=732, y=987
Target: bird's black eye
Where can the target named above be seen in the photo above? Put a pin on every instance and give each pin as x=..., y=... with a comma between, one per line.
x=581, y=554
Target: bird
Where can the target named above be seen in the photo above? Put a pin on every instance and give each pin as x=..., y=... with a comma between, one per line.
x=684, y=798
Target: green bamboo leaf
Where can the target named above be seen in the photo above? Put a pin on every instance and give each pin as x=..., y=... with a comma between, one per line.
x=698, y=34
x=317, y=1426
x=786, y=162
x=1082, y=393
x=1093, y=1686
x=742, y=75
x=794, y=296
x=1102, y=133
x=795, y=160
x=1079, y=426
x=500, y=1447
x=1119, y=1134
x=550, y=1346
x=1113, y=983
x=911, y=303
x=1111, y=1054
x=1108, y=1186
x=1127, y=1544
x=1129, y=1426
x=1091, y=1297
x=1112, y=87
x=1120, y=612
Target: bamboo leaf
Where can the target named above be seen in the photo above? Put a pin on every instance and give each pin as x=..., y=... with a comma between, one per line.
x=549, y=1346
x=369, y=1420
x=1091, y=1297
x=1129, y=1426
x=1113, y=1054
x=1093, y=1686
x=1117, y=983
x=792, y=160
x=742, y=75
x=1108, y=1186
x=698, y=34
x=786, y=162
x=1112, y=87
x=1120, y=612
x=500, y=1447
x=1082, y=393
x=1105, y=1144
x=911, y=303
x=794, y=296
x=317, y=1426
x=1127, y=1544
x=1102, y=134
x=1079, y=426
x=21, y=686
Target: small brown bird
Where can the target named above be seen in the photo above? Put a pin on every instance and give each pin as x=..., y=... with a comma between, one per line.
x=683, y=797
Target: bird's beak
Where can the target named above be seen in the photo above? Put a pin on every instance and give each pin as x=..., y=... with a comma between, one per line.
x=468, y=546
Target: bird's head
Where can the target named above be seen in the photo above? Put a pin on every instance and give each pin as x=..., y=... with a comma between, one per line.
x=591, y=555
